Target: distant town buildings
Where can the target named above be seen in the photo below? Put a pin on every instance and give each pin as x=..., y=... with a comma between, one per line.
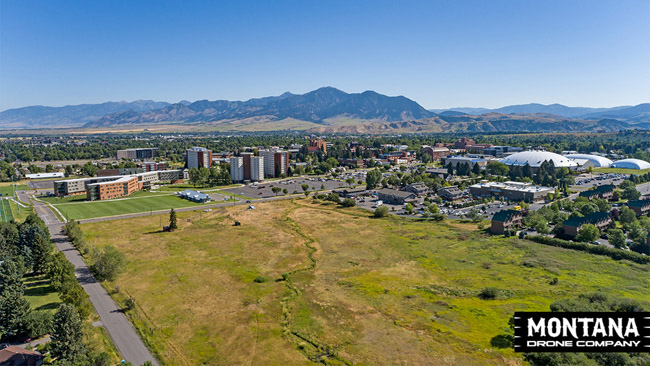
x=150, y=166
x=435, y=152
x=198, y=157
x=137, y=154
x=469, y=160
x=317, y=144
x=470, y=145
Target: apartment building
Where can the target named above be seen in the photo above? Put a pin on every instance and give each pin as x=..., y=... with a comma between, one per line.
x=257, y=168
x=572, y=226
x=276, y=162
x=505, y=220
x=198, y=157
x=237, y=169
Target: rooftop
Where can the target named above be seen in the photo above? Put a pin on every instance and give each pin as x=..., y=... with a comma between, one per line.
x=505, y=215
x=589, y=219
x=513, y=186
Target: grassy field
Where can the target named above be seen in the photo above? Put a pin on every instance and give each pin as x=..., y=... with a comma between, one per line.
x=40, y=294
x=85, y=210
x=6, y=214
x=302, y=282
x=7, y=190
x=621, y=171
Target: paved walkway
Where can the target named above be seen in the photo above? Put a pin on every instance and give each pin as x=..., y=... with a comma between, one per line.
x=124, y=336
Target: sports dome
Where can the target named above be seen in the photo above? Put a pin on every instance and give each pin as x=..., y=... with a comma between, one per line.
x=631, y=164
x=597, y=161
x=535, y=158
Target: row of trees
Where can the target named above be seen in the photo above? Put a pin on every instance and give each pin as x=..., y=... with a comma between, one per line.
x=26, y=250
x=217, y=175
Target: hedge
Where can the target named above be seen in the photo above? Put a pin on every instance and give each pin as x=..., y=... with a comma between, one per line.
x=616, y=254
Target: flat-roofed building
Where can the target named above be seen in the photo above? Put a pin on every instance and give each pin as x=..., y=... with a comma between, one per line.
x=505, y=220
x=198, y=157
x=139, y=154
x=276, y=163
x=71, y=187
x=469, y=160
x=122, y=187
x=435, y=152
x=237, y=169
x=150, y=166
x=513, y=191
x=118, y=171
x=257, y=168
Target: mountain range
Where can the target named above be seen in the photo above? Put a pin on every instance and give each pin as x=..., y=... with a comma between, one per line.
x=327, y=110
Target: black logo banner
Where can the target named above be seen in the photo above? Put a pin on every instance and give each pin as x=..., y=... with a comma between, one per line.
x=582, y=332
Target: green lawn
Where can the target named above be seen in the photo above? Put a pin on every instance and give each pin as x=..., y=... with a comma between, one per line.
x=86, y=209
x=18, y=212
x=8, y=190
x=5, y=211
x=621, y=171
x=40, y=294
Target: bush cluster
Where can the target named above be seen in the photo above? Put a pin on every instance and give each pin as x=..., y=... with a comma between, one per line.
x=616, y=254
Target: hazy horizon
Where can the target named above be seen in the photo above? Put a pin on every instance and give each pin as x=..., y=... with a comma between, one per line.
x=442, y=55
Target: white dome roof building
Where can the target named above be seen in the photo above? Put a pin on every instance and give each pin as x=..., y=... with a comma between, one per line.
x=535, y=158
x=637, y=164
x=594, y=160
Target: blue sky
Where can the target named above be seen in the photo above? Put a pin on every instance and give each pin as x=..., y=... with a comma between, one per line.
x=438, y=53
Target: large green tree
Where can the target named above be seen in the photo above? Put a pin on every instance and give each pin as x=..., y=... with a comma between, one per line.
x=67, y=334
x=373, y=178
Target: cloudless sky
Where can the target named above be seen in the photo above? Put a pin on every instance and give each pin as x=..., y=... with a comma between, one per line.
x=438, y=53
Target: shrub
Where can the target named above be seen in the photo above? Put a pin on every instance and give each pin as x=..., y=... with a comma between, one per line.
x=381, y=211
x=348, y=202
x=108, y=264
x=261, y=279
x=616, y=254
x=489, y=293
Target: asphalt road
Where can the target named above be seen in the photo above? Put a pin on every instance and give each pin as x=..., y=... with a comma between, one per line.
x=124, y=336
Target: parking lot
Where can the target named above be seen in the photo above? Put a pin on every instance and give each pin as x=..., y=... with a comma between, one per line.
x=587, y=181
x=41, y=184
x=292, y=185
